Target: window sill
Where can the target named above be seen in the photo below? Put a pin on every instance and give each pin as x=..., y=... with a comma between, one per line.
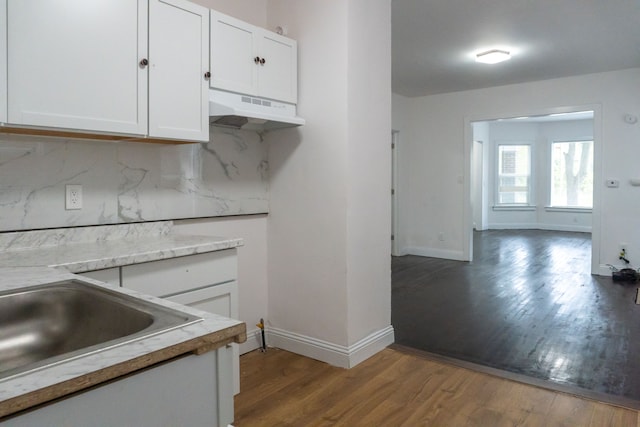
x=514, y=208
x=567, y=209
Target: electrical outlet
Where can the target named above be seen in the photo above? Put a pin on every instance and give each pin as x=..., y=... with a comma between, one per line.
x=73, y=197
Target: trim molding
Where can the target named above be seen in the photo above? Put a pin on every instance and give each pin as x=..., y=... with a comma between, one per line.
x=435, y=253
x=333, y=354
x=538, y=226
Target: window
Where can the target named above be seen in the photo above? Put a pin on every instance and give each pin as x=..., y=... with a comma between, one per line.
x=514, y=174
x=572, y=174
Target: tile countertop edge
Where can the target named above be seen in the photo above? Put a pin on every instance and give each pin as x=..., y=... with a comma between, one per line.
x=27, y=390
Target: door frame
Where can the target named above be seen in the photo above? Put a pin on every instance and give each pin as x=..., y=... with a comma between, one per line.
x=467, y=225
x=395, y=139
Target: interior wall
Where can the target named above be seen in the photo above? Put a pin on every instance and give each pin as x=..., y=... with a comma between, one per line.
x=435, y=164
x=329, y=227
x=251, y=11
x=369, y=168
x=307, y=224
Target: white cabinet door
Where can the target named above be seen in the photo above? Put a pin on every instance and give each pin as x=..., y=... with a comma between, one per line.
x=178, y=61
x=187, y=391
x=251, y=60
x=74, y=64
x=233, y=50
x=222, y=300
x=3, y=61
x=278, y=75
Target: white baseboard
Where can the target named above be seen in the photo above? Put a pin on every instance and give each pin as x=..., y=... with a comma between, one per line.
x=253, y=342
x=435, y=253
x=333, y=354
x=537, y=226
x=604, y=270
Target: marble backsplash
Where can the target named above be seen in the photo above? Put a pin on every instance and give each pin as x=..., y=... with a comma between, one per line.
x=124, y=182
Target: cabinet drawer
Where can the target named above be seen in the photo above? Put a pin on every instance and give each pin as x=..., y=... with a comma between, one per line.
x=177, y=275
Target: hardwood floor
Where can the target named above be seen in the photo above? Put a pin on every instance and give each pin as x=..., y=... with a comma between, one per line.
x=527, y=305
x=396, y=388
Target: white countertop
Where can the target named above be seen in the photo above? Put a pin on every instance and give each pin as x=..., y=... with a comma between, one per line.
x=96, y=248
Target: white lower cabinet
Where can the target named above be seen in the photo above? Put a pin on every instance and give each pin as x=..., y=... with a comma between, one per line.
x=183, y=392
x=206, y=281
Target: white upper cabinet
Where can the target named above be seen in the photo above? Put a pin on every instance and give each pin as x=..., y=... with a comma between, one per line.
x=178, y=70
x=3, y=61
x=233, y=49
x=75, y=64
x=278, y=69
x=251, y=60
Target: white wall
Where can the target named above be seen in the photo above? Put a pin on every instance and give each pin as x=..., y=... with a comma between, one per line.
x=369, y=168
x=329, y=222
x=436, y=167
x=252, y=11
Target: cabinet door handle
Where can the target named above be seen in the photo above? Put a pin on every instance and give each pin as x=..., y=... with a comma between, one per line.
x=207, y=75
x=262, y=61
x=144, y=62
x=256, y=59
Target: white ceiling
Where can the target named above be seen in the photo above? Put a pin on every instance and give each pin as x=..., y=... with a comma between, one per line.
x=434, y=41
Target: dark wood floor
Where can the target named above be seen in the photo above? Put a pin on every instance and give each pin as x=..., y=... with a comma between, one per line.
x=527, y=305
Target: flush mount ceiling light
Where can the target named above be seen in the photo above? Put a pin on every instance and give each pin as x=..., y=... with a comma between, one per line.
x=493, y=56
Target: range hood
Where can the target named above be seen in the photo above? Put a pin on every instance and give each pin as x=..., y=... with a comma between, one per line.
x=249, y=112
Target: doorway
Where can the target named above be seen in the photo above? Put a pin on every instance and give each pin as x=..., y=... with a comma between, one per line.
x=515, y=165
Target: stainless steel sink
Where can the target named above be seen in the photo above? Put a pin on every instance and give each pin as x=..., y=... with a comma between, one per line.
x=47, y=324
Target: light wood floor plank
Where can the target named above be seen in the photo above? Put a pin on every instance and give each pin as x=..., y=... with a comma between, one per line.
x=394, y=388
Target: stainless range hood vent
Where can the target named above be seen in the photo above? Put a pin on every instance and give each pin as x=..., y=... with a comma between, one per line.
x=251, y=113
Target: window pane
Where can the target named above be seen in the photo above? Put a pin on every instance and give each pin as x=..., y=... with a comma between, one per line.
x=572, y=174
x=514, y=164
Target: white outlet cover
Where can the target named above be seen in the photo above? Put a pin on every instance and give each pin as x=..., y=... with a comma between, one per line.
x=73, y=197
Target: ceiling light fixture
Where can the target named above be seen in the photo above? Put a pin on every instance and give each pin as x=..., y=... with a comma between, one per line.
x=493, y=56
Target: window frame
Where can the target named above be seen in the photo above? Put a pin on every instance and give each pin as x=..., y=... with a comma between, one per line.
x=550, y=207
x=530, y=204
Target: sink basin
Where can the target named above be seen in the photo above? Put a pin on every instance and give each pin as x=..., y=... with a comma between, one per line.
x=48, y=324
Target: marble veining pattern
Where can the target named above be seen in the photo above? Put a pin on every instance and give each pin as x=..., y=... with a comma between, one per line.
x=63, y=236
x=97, y=248
x=18, y=385
x=130, y=182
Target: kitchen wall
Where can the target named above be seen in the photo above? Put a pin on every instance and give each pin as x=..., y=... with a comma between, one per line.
x=435, y=164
